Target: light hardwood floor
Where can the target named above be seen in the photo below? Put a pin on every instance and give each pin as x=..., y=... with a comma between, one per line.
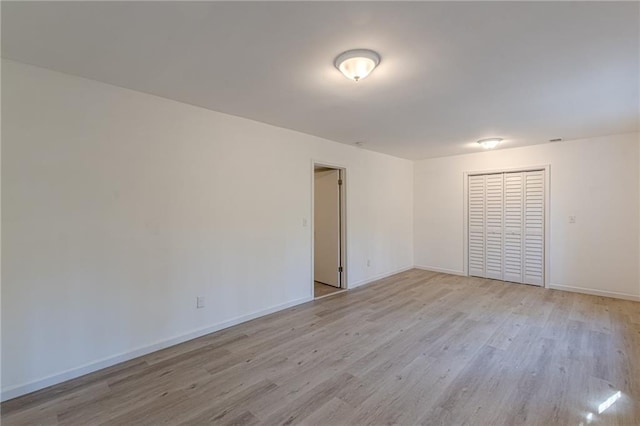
x=320, y=289
x=416, y=348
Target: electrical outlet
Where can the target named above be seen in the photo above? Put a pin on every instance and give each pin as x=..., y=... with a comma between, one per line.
x=572, y=219
x=368, y=263
x=304, y=222
x=200, y=302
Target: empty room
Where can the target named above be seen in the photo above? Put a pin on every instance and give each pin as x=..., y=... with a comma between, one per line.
x=320, y=213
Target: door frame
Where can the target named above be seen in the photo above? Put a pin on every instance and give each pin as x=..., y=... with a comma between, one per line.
x=343, y=221
x=547, y=222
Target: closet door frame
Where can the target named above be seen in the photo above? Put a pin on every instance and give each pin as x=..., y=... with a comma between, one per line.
x=465, y=224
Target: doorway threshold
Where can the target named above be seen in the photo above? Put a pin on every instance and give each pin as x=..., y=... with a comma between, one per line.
x=321, y=291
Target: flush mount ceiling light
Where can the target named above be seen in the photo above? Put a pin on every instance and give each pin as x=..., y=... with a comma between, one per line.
x=357, y=64
x=489, y=143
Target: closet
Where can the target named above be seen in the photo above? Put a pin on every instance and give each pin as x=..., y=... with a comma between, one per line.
x=506, y=226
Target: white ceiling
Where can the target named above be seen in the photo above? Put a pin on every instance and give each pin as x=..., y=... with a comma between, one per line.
x=451, y=73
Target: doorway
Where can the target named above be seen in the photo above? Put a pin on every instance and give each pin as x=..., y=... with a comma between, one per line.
x=328, y=230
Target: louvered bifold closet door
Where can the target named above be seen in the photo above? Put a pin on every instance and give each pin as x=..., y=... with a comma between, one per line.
x=513, y=220
x=476, y=226
x=493, y=232
x=534, y=227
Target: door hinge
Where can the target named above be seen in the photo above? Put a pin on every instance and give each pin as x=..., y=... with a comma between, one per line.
x=339, y=181
x=339, y=268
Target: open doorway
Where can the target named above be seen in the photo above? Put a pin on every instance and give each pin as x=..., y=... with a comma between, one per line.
x=328, y=231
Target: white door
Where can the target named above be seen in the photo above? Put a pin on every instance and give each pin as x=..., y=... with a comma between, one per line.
x=513, y=220
x=327, y=227
x=476, y=226
x=506, y=226
x=493, y=209
x=534, y=228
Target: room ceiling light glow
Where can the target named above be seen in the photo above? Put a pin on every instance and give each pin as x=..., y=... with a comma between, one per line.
x=357, y=64
x=490, y=143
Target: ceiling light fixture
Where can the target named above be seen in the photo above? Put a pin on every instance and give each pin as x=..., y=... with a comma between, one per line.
x=489, y=143
x=357, y=64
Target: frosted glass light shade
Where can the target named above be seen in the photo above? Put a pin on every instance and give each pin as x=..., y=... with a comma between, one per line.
x=489, y=143
x=357, y=64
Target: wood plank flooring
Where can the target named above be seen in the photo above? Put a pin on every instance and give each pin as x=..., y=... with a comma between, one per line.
x=320, y=289
x=415, y=348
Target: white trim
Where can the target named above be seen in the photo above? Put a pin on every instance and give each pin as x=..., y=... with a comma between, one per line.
x=440, y=270
x=379, y=277
x=614, y=294
x=509, y=170
x=547, y=216
x=18, y=390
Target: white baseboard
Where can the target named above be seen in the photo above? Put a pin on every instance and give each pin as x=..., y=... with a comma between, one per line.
x=18, y=390
x=442, y=270
x=614, y=294
x=378, y=277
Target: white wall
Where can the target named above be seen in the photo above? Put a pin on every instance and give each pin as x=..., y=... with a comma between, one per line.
x=596, y=180
x=119, y=208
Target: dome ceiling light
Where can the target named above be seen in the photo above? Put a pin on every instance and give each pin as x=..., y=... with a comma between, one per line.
x=490, y=143
x=357, y=64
